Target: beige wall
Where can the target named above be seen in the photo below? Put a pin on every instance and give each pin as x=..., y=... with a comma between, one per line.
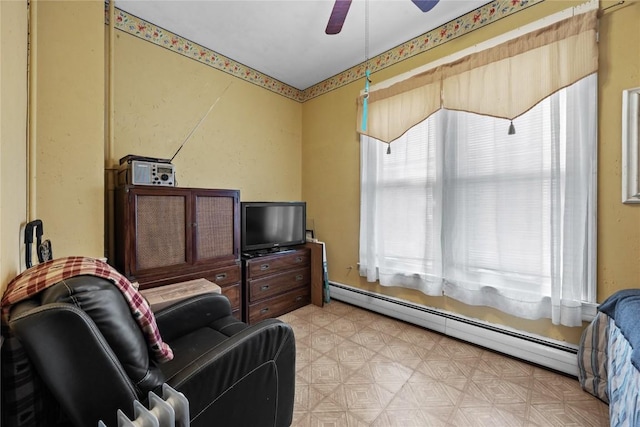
x=250, y=141
x=61, y=181
x=13, y=137
x=331, y=166
x=69, y=125
x=618, y=224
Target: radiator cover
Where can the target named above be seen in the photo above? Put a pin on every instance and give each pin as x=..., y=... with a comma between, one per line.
x=557, y=355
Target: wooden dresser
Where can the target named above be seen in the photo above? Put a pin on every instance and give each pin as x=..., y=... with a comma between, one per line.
x=166, y=235
x=276, y=284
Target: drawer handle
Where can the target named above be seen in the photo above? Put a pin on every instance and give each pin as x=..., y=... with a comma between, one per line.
x=298, y=298
x=264, y=287
x=264, y=310
x=299, y=259
x=221, y=276
x=299, y=277
x=264, y=267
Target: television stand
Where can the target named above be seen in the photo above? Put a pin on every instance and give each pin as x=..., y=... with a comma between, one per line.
x=276, y=282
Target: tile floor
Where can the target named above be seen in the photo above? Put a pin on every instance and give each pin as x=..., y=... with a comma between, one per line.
x=358, y=368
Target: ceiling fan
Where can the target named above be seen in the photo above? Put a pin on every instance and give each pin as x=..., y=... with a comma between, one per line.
x=341, y=7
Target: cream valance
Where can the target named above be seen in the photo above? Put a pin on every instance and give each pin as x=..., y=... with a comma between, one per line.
x=397, y=108
x=503, y=81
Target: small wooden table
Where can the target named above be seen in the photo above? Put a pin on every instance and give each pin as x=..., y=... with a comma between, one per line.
x=163, y=296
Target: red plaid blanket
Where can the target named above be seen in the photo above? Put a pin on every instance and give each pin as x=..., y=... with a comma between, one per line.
x=37, y=278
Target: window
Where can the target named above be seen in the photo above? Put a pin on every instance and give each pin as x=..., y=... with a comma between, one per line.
x=461, y=207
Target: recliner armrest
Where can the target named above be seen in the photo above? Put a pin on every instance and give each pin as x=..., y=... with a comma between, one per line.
x=191, y=314
x=255, y=365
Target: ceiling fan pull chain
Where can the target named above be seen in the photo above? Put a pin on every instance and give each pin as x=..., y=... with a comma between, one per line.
x=365, y=101
x=366, y=33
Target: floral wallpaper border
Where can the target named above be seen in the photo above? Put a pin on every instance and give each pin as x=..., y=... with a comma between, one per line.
x=471, y=21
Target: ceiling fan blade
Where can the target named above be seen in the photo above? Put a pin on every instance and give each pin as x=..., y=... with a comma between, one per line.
x=338, y=15
x=425, y=5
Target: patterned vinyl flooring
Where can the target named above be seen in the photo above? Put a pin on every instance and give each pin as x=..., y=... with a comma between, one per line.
x=357, y=368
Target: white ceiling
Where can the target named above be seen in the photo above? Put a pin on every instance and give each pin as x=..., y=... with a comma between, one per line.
x=286, y=40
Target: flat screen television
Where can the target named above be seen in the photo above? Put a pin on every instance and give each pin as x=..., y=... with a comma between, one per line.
x=271, y=226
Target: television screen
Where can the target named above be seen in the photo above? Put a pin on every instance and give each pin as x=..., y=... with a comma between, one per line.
x=269, y=225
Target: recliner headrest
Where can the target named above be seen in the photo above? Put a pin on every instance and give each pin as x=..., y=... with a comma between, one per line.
x=108, y=309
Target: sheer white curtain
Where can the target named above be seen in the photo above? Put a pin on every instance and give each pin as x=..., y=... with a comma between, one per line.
x=501, y=220
x=518, y=207
x=400, y=214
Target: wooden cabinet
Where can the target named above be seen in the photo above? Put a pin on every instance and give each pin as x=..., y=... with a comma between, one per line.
x=276, y=284
x=165, y=235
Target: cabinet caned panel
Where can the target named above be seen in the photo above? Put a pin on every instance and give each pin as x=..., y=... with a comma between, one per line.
x=215, y=222
x=160, y=229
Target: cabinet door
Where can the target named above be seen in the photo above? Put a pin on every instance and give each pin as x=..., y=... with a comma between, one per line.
x=217, y=222
x=162, y=229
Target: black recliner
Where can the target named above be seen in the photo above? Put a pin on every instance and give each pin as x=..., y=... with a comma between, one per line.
x=84, y=344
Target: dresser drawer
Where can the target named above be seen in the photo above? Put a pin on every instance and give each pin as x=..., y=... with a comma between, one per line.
x=281, y=304
x=233, y=293
x=224, y=276
x=274, y=284
x=273, y=264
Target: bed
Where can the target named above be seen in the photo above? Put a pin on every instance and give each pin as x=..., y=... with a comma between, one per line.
x=609, y=357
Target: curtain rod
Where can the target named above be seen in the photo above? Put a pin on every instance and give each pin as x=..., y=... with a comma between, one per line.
x=621, y=2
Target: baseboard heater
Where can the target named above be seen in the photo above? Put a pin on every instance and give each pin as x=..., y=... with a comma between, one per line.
x=171, y=411
x=557, y=355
